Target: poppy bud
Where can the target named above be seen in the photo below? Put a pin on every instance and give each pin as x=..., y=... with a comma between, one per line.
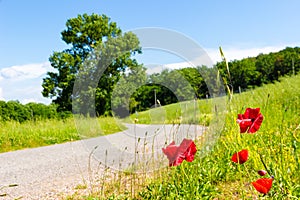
x=262, y=172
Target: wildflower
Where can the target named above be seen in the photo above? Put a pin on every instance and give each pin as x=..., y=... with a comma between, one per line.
x=250, y=121
x=262, y=172
x=263, y=185
x=240, y=157
x=176, y=154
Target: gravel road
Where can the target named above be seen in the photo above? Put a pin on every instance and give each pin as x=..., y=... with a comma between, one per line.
x=50, y=172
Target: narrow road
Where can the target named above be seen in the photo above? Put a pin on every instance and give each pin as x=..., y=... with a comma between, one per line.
x=51, y=171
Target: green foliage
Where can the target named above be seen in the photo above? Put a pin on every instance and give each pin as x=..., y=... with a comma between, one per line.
x=169, y=86
x=14, y=110
x=195, y=79
x=98, y=53
x=262, y=69
x=41, y=111
x=123, y=99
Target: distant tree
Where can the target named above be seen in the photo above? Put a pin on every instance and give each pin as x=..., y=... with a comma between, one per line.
x=213, y=81
x=243, y=73
x=3, y=111
x=194, y=77
x=123, y=98
x=175, y=82
x=265, y=64
x=41, y=111
x=88, y=36
x=144, y=97
x=14, y=110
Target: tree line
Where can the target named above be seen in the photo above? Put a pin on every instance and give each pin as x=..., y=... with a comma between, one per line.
x=265, y=68
x=14, y=110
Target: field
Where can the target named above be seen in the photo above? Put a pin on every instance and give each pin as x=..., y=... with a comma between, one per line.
x=212, y=175
x=29, y=134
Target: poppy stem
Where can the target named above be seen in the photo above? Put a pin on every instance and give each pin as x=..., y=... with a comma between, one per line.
x=261, y=159
x=183, y=170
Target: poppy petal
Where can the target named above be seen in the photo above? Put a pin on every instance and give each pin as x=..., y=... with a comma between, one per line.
x=171, y=152
x=252, y=112
x=188, y=148
x=178, y=160
x=185, y=144
x=256, y=124
x=250, y=121
x=244, y=124
x=176, y=154
x=240, y=157
x=263, y=185
x=190, y=153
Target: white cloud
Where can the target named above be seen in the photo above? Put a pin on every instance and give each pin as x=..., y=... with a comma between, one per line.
x=23, y=82
x=178, y=65
x=25, y=101
x=23, y=72
x=151, y=69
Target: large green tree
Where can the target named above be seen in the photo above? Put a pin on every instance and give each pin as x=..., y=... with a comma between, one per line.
x=96, y=43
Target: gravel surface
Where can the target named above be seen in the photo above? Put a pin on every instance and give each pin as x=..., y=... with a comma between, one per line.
x=53, y=171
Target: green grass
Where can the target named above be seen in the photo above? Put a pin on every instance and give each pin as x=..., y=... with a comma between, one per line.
x=15, y=135
x=184, y=112
x=212, y=175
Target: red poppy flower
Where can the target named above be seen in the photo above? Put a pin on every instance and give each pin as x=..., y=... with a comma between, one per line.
x=263, y=185
x=250, y=121
x=240, y=157
x=176, y=154
x=262, y=172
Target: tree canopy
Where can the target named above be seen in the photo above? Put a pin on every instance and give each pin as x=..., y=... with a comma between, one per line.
x=262, y=69
x=96, y=43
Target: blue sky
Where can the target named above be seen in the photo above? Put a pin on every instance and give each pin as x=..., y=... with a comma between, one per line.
x=30, y=32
